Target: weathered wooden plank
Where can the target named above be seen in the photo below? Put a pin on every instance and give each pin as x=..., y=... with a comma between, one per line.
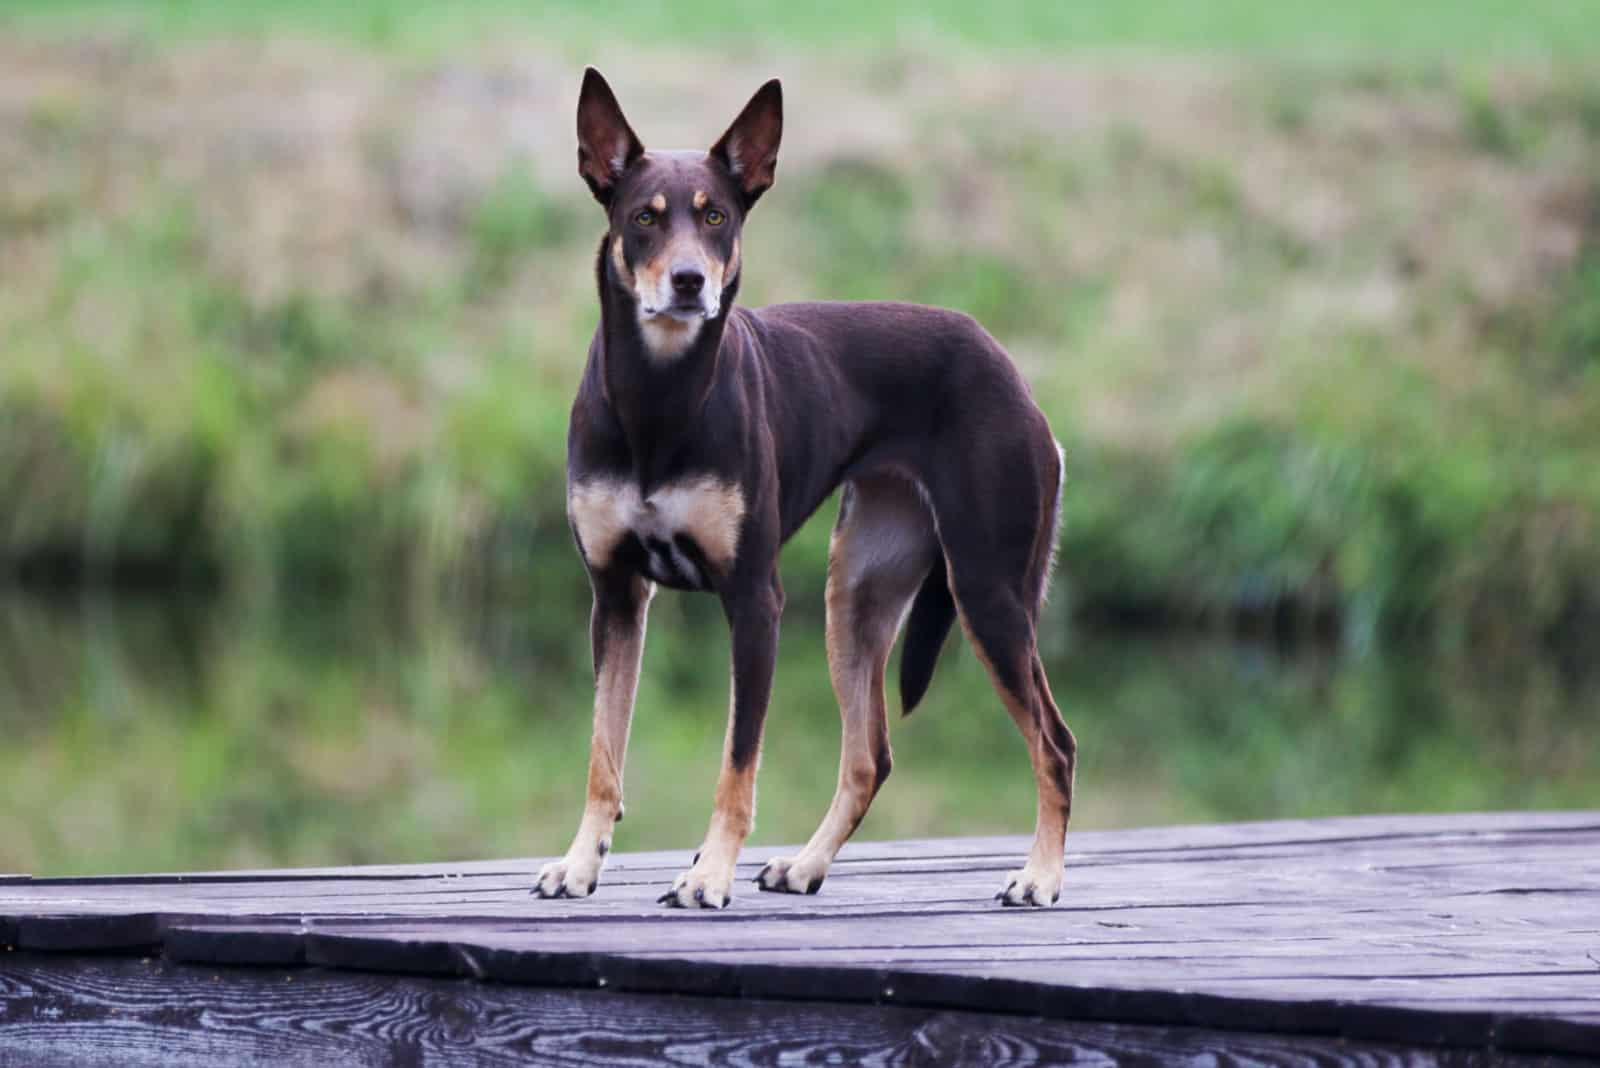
x=1556, y=918
x=120, y=1012
x=1463, y=1013
x=281, y=944
x=992, y=937
x=1522, y=919
x=97, y=933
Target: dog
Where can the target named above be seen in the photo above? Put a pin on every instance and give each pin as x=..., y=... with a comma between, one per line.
x=704, y=434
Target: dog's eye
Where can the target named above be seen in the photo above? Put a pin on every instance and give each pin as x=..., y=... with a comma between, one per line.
x=715, y=218
x=645, y=218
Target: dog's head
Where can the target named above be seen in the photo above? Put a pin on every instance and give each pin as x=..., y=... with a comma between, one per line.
x=675, y=217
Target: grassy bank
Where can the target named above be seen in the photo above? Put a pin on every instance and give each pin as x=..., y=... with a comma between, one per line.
x=1321, y=332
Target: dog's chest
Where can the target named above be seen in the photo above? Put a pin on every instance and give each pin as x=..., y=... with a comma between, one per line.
x=681, y=534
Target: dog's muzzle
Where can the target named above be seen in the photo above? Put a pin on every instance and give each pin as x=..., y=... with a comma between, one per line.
x=685, y=296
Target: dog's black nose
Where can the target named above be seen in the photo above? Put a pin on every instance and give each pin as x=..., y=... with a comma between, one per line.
x=688, y=283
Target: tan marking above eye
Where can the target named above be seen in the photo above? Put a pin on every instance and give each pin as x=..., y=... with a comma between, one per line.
x=700, y=199
x=658, y=203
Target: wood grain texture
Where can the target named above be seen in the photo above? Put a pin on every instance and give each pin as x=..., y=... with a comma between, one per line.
x=127, y=1011
x=1463, y=930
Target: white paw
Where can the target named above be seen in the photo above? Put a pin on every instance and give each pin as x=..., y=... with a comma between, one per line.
x=571, y=876
x=792, y=875
x=1039, y=887
x=704, y=886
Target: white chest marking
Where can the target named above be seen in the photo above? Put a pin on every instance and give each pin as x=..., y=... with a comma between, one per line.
x=707, y=510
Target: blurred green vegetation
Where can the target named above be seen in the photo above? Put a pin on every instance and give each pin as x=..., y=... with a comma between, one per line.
x=1320, y=335
x=145, y=736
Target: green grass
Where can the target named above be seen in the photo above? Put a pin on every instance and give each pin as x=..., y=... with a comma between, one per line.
x=1434, y=29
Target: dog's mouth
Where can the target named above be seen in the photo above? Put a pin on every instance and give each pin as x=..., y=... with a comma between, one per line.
x=681, y=311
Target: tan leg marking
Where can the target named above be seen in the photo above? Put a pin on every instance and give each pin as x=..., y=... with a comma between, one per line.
x=616, y=684
x=1055, y=801
x=708, y=884
x=879, y=555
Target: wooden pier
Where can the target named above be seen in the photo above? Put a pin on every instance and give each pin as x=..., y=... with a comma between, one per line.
x=1457, y=939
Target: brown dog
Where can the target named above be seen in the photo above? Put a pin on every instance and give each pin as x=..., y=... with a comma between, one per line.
x=703, y=435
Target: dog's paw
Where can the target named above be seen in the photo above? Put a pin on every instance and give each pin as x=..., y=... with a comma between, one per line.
x=1030, y=886
x=568, y=877
x=701, y=888
x=792, y=875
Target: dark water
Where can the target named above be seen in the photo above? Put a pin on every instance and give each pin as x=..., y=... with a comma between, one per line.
x=143, y=735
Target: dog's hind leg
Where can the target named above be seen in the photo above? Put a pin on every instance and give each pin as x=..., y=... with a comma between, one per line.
x=882, y=548
x=999, y=555
x=1002, y=632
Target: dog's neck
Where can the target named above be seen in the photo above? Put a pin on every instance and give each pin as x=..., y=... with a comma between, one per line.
x=657, y=392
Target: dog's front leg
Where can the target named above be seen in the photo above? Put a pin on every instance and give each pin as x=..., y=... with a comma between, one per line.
x=753, y=615
x=616, y=631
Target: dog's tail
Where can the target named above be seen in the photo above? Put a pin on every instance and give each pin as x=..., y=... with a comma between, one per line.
x=931, y=615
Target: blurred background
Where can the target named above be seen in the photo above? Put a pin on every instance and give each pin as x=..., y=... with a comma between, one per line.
x=294, y=297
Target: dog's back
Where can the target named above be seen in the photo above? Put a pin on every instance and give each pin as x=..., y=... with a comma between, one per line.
x=883, y=384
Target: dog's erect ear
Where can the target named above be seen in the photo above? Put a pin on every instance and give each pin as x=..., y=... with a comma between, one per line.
x=750, y=147
x=606, y=143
